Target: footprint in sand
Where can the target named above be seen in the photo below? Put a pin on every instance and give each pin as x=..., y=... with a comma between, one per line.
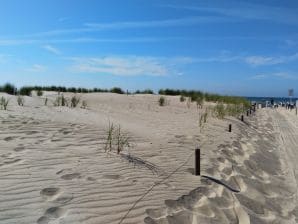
x=51, y=214
x=71, y=176
x=111, y=176
x=50, y=193
x=10, y=138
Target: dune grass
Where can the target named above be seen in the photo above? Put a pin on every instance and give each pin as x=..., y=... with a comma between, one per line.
x=20, y=100
x=4, y=103
x=74, y=101
x=116, y=139
x=161, y=101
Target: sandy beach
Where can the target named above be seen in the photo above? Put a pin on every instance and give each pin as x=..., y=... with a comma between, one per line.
x=54, y=168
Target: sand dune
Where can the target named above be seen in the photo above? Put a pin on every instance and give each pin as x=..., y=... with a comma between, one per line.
x=54, y=168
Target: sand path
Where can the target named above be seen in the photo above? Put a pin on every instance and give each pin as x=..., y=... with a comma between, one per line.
x=287, y=125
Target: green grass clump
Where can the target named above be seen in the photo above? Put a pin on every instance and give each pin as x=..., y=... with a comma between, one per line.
x=3, y=103
x=203, y=118
x=219, y=111
x=20, y=100
x=39, y=92
x=60, y=101
x=74, y=101
x=116, y=139
x=182, y=98
x=84, y=104
x=161, y=101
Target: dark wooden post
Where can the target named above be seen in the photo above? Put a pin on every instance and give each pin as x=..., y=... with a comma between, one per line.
x=197, y=162
x=230, y=127
x=247, y=113
x=242, y=118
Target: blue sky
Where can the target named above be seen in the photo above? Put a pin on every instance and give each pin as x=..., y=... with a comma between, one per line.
x=247, y=48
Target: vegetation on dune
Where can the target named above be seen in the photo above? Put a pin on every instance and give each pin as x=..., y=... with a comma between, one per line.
x=74, y=101
x=60, y=101
x=182, y=99
x=209, y=97
x=161, y=101
x=116, y=139
x=3, y=103
x=25, y=91
x=20, y=100
x=8, y=88
x=146, y=91
x=39, y=92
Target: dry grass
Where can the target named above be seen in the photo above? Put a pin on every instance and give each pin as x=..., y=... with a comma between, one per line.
x=20, y=100
x=116, y=139
x=3, y=103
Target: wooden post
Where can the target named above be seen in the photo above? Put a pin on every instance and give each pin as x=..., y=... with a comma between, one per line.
x=197, y=162
x=247, y=113
x=242, y=118
x=230, y=127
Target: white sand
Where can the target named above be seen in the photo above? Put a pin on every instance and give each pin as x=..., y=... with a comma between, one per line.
x=53, y=168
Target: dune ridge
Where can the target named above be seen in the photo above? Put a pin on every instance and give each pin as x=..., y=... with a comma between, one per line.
x=54, y=168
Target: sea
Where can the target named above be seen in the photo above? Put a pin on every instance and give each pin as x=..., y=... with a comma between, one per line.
x=277, y=100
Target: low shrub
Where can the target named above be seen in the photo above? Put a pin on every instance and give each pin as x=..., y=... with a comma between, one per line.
x=39, y=92
x=161, y=101
x=182, y=98
x=20, y=100
x=84, y=104
x=25, y=91
x=8, y=88
x=74, y=101
x=3, y=103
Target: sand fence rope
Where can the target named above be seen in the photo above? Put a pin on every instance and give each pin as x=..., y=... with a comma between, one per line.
x=154, y=185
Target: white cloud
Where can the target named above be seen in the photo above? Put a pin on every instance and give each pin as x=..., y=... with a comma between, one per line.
x=257, y=77
x=266, y=60
x=51, y=49
x=36, y=68
x=239, y=10
x=279, y=75
x=121, y=66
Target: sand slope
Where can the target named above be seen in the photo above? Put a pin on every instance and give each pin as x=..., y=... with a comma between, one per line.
x=54, y=168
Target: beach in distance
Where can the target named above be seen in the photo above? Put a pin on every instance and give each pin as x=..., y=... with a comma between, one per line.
x=120, y=158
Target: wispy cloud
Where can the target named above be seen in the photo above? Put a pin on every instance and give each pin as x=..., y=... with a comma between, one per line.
x=269, y=60
x=120, y=65
x=279, y=75
x=245, y=11
x=51, y=49
x=36, y=68
x=95, y=26
x=10, y=42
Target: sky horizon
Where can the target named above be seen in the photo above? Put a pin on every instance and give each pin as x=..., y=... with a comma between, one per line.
x=245, y=48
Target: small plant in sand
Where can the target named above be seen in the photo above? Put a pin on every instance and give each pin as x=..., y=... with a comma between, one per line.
x=3, y=103
x=161, y=101
x=84, y=104
x=116, y=139
x=74, y=101
x=188, y=102
x=46, y=101
x=60, y=101
x=20, y=100
x=203, y=118
x=182, y=98
x=220, y=111
x=199, y=102
x=39, y=92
